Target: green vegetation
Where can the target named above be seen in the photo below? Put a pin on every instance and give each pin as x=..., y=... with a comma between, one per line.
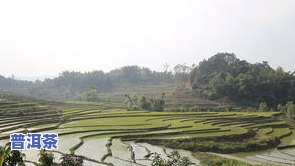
x=84, y=86
x=289, y=110
x=149, y=104
x=224, y=75
x=213, y=113
x=10, y=157
x=46, y=158
x=210, y=160
x=84, y=123
x=173, y=159
x=71, y=160
x=90, y=95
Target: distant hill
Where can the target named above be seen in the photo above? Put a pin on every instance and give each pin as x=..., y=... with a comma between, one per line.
x=13, y=85
x=70, y=85
x=218, y=81
x=224, y=75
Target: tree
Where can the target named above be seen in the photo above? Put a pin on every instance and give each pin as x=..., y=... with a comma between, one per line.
x=217, y=82
x=224, y=75
x=90, y=95
x=4, y=153
x=14, y=159
x=263, y=107
x=181, y=72
x=144, y=103
x=230, y=86
x=131, y=102
x=46, y=158
x=166, y=67
x=75, y=85
x=10, y=157
x=289, y=110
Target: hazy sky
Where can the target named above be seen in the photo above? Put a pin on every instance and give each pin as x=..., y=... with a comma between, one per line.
x=47, y=37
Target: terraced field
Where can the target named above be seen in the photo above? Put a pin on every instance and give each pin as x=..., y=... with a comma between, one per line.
x=115, y=136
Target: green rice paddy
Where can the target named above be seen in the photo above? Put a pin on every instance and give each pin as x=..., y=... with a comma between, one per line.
x=112, y=136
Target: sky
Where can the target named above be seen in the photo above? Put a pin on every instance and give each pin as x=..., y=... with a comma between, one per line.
x=43, y=38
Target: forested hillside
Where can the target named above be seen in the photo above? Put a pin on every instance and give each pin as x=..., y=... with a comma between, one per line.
x=76, y=85
x=225, y=75
x=10, y=84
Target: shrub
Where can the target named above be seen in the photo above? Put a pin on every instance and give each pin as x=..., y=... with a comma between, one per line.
x=173, y=159
x=71, y=160
x=46, y=158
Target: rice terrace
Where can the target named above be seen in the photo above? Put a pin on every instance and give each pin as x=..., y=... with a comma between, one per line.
x=119, y=128
x=147, y=83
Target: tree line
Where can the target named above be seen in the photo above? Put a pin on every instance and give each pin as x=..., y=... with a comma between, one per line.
x=221, y=76
x=75, y=85
x=225, y=75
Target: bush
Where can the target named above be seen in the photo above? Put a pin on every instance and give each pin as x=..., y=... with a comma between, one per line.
x=71, y=160
x=173, y=159
x=141, y=102
x=289, y=111
x=10, y=157
x=46, y=158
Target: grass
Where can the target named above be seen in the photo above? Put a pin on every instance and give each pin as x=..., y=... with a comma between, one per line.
x=290, y=139
x=156, y=126
x=111, y=121
x=210, y=160
x=179, y=123
x=280, y=132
